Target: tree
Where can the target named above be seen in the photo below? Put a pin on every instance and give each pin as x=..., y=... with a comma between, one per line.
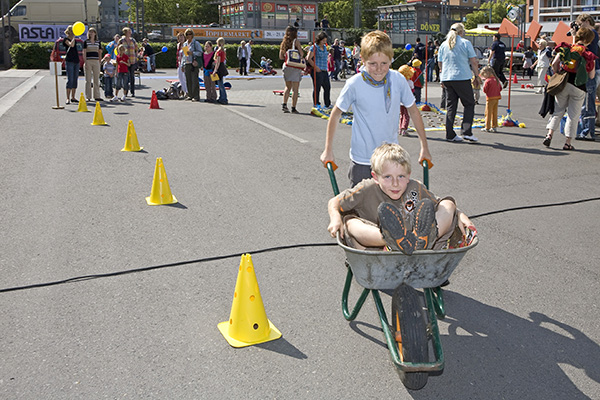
x=341, y=12
x=166, y=11
x=482, y=16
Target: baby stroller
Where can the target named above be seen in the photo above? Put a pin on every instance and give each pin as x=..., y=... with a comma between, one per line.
x=265, y=67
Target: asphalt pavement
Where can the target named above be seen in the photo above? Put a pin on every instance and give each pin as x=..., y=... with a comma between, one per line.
x=104, y=296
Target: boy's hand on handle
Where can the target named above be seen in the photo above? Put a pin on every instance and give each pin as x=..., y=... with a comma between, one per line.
x=425, y=155
x=327, y=156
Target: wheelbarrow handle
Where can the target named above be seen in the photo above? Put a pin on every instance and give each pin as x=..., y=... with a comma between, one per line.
x=426, y=165
x=331, y=167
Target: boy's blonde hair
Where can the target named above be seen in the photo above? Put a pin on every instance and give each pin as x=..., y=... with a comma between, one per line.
x=389, y=152
x=376, y=42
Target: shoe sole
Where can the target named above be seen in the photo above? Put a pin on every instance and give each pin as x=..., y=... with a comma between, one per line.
x=394, y=231
x=424, y=223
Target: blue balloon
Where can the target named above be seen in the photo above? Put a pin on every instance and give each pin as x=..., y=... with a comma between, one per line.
x=408, y=46
x=164, y=49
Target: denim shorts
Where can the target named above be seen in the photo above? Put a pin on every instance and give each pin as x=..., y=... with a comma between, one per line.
x=72, y=74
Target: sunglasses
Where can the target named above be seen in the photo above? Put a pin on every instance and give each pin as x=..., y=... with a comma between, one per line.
x=189, y=34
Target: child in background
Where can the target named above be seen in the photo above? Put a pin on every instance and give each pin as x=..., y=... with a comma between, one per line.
x=392, y=210
x=476, y=85
x=492, y=89
x=417, y=79
x=109, y=75
x=408, y=72
x=122, y=73
x=330, y=63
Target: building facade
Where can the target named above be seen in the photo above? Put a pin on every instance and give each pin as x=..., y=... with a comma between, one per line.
x=268, y=15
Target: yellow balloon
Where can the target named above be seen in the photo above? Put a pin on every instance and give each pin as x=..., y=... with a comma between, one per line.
x=78, y=28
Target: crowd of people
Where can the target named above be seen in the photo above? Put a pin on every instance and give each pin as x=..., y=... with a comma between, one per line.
x=453, y=63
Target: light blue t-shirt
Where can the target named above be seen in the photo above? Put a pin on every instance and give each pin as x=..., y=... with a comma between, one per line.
x=455, y=63
x=372, y=125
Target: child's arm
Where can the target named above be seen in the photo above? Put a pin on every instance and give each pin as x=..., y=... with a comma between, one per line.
x=336, y=113
x=463, y=221
x=415, y=115
x=335, y=218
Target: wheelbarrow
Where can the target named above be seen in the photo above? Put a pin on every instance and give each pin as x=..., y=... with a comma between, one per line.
x=414, y=312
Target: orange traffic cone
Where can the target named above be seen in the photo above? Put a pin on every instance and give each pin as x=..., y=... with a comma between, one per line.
x=161, y=192
x=154, y=101
x=515, y=79
x=248, y=323
x=131, y=141
x=98, y=118
x=522, y=86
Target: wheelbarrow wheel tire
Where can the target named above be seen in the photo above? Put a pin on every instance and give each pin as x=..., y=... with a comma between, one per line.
x=408, y=320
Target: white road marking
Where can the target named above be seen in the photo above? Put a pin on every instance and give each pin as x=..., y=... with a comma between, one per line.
x=268, y=126
x=11, y=98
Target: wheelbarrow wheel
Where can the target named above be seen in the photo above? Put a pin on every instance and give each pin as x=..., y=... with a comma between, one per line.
x=408, y=322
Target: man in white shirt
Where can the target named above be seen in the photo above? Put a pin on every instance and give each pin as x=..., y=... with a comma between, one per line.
x=248, y=54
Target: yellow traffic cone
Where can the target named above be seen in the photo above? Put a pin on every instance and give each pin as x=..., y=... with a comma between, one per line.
x=248, y=323
x=131, y=141
x=98, y=118
x=82, y=104
x=160, y=193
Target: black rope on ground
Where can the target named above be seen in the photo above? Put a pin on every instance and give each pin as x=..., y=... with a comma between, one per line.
x=265, y=250
x=171, y=265
x=564, y=203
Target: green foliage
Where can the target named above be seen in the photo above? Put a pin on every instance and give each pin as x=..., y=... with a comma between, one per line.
x=482, y=16
x=401, y=57
x=189, y=11
x=352, y=35
x=341, y=12
x=31, y=55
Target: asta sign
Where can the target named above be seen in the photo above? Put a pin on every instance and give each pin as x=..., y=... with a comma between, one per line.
x=40, y=33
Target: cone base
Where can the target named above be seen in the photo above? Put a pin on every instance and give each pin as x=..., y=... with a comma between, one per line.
x=151, y=203
x=124, y=149
x=224, y=328
x=99, y=124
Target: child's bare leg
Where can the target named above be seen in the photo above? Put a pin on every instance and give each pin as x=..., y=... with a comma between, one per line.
x=444, y=217
x=365, y=234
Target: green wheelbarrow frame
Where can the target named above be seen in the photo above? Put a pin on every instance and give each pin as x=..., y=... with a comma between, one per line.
x=379, y=270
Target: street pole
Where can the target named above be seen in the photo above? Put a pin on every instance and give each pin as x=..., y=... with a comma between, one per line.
x=357, y=13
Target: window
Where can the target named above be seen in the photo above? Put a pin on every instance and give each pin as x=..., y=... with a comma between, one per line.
x=19, y=11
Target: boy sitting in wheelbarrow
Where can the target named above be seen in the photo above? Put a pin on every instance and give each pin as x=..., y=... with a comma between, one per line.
x=392, y=210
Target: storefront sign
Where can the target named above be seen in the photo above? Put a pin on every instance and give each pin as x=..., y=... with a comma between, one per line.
x=282, y=8
x=427, y=27
x=309, y=8
x=302, y=35
x=211, y=33
x=268, y=8
x=41, y=33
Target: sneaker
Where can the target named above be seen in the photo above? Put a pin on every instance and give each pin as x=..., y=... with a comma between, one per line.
x=74, y=101
x=493, y=130
x=122, y=99
x=284, y=108
x=424, y=223
x=456, y=138
x=393, y=229
x=485, y=130
x=470, y=138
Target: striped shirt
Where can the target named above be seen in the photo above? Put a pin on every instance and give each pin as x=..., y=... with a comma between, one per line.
x=92, y=50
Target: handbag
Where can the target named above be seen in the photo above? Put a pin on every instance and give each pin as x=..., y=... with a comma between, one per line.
x=222, y=71
x=556, y=83
x=293, y=58
x=214, y=77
